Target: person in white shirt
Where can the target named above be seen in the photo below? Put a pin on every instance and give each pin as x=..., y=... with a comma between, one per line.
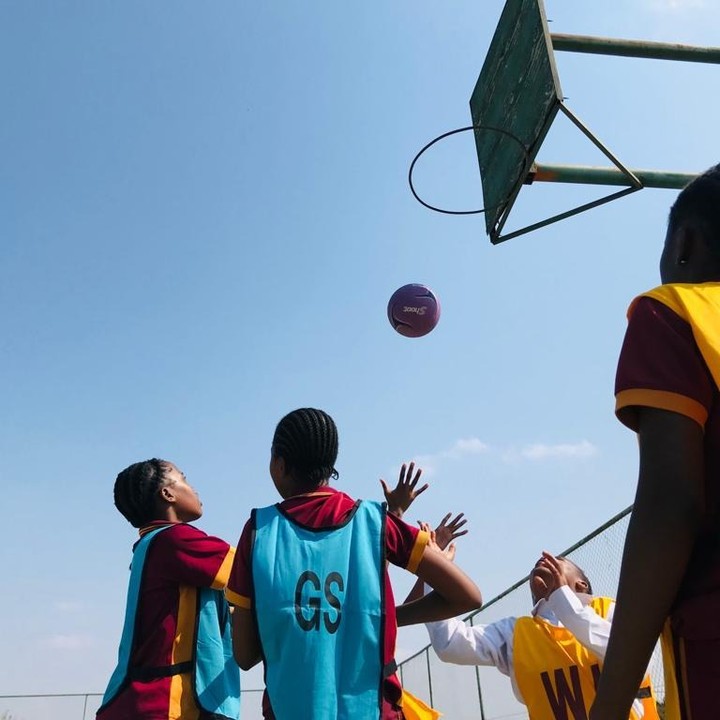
x=553, y=656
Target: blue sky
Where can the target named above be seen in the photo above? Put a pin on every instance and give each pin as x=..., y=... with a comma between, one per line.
x=204, y=212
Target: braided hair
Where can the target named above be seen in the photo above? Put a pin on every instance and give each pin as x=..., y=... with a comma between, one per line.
x=699, y=203
x=307, y=440
x=135, y=489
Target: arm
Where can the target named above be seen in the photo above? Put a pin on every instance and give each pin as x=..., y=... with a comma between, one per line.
x=443, y=539
x=590, y=629
x=663, y=527
x=245, y=640
x=189, y=556
x=454, y=593
x=245, y=637
x=462, y=644
x=453, y=640
x=404, y=494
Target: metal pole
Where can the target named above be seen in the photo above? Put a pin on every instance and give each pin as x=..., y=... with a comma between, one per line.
x=635, y=48
x=589, y=175
x=479, y=685
x=427, y=657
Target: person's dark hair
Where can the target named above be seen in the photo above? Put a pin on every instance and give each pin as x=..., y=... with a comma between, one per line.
x=307, y=440
x=581, y=572
x=698, y=204
x=135, y=489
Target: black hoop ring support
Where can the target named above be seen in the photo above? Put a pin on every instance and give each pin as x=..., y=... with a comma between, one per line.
x=442, y=137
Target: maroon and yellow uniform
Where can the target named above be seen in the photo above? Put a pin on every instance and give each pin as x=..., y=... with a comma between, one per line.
x=328, y=507
x=665, y=363
x=180, y=560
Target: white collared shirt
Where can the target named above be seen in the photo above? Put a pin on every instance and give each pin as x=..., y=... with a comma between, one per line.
x=456, y=642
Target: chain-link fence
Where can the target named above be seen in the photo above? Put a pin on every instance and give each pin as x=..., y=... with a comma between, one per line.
x=469, y=693
x=83, y=706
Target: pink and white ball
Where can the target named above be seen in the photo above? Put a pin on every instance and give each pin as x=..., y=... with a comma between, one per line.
x=413, y=310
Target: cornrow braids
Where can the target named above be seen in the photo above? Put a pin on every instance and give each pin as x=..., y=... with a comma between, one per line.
x=307, y=440
x=135, y=489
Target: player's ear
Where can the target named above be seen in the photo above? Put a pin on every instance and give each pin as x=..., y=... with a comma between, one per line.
x=278, y=467
x=688, y=243
x=581, y=586
x=166, y=493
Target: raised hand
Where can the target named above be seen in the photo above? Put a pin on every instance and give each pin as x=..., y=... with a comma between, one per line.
x=556, y=570
x=446, y=531
x=448, y=551
x=402, y=497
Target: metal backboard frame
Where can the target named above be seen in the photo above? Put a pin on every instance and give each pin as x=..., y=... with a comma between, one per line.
x=516, y=99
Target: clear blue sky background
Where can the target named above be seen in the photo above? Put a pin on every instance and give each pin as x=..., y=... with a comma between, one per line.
x=204, y=210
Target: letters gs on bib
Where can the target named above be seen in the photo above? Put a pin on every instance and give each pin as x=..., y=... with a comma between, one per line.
x=413, y=310
x=309, y=595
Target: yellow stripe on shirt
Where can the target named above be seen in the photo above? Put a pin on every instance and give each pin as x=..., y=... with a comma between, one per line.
x=223, y=574
x=182, y=701
x=240, y=601
x=421, y=542
x=661, y=400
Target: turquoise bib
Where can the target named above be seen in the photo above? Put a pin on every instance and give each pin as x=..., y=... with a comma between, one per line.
x=216, y=679
x=319, y=600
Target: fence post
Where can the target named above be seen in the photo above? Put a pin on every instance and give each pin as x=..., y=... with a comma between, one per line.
x=427, y=661
x=477, y=680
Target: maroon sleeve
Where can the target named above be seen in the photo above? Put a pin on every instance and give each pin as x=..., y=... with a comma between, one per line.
x=404, y=543
x=191, y=557
x=660, y=366
x=240, y=589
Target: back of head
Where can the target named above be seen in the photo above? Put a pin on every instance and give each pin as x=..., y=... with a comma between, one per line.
x=307, y=440
x=136, y=490
x=698, y=207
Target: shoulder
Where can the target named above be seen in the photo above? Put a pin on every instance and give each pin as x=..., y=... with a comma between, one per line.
x=180, y=532
x=324, y=508
x=660, y=365
x=648, y=313
x=188, y=538
x=603, y=606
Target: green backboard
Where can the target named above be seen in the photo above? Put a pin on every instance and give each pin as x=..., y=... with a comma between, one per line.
x=518, y=91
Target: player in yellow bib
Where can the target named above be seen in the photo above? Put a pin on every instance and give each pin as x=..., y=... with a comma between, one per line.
x=554, y=655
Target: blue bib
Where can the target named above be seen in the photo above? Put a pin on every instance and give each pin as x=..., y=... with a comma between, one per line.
x=216, y=679
x=318, y=599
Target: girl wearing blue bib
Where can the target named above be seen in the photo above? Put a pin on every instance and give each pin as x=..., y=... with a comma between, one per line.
x=310, y=594
x=215, y=680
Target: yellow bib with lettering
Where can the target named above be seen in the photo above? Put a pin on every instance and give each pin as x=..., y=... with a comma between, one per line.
x=557, y=676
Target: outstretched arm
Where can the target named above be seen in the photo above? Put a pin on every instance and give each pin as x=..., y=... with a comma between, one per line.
x=664, y=524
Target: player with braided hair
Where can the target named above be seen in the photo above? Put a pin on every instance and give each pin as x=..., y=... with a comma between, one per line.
x=312, y=596
x=175, y=658
x=309, y=440
x=135, y=489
